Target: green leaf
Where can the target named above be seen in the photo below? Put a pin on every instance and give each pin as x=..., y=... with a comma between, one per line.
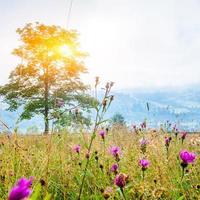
x=37, y=192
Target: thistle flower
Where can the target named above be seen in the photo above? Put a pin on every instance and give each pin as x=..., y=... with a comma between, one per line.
x=114, y=168
x=115, y=151
x=102, y=133
x=143, y=125
x=121, y=180
x=107, y=192
x=187, y=157
x=183, y=136
x=87, y=155
x=143, y=142
x=144, y=164
x=167, y=141
x=77, y=148
x=143, y=145
x=21, y=190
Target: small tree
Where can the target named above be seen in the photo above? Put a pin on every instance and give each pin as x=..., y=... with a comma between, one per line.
x=118, y=119
x=47, y=81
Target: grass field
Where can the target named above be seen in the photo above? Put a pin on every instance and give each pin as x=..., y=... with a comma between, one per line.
x=58, y=169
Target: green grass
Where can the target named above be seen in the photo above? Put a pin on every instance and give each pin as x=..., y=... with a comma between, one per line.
x=51, y=159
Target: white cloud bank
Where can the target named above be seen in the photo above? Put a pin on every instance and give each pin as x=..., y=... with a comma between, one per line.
x=136, y=43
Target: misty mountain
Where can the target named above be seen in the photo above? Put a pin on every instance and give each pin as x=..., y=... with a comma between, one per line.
x=180, y=106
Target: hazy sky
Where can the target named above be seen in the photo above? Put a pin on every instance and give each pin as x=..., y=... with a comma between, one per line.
x=136, y=43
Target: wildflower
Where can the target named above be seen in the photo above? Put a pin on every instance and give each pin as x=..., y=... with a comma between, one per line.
x=144, y=164
x=115, y=151
x=134, y=127
x=42, y=182
x=102, y=133
x=96, y=158
x=135, y=130
x=77, y=148
x=21, y=190
x=143, y=125
x=87, y=155
x=143, y=142
x=101, y=167
x=143, y=145
x=187, y=157
x=183, y=136
x=114, y=168
x=167, y=141
x=107, y=192
x=121, y=180
x=104, y=103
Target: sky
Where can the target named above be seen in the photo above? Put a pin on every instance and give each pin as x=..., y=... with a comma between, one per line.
x=135, y=43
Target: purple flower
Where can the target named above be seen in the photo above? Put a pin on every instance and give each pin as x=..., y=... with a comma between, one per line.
x=114, y=168
x=144, y=164
x=167, y=141
x=108, y=192
x=77, y=148
x=102, y=133
x=183, y=136
x=187, y=157
x=120, y=180
x=143, y=142
x=115, y=151
x=143, y=145
x=143, y=125
x=21, y=190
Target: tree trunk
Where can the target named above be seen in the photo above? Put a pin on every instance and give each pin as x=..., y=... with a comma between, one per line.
x=46, y=99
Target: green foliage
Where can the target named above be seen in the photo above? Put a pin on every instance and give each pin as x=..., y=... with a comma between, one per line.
x=118, y=119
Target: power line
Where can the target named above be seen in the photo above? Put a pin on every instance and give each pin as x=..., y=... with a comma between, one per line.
x=69, y=12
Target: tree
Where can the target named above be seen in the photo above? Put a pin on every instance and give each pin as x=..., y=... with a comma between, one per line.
x=118, y=119
x=47, y=81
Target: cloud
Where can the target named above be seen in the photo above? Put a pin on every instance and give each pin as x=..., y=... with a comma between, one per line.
x=136, y=43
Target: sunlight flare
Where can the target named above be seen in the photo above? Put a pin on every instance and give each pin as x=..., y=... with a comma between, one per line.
x=65, y=50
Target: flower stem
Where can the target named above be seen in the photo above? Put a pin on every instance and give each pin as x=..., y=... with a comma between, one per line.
x=122, y=191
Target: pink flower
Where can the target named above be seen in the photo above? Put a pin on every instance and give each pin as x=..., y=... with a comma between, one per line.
x=187, y=157
x=183, y=136
x=144, y=164
x=102, y=133
x=114, y=168
x=167, y=141
x=143, y=142
x=121, y=180
x=143, y=125
x=77, y=148
x=21, y=190
x=115, y=151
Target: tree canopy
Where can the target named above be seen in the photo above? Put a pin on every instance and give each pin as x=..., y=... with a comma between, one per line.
x=47, y=79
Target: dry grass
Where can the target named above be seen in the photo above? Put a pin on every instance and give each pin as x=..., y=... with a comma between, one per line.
x=51, y=159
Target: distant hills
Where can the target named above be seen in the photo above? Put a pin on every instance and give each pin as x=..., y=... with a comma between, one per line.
x=181, y=106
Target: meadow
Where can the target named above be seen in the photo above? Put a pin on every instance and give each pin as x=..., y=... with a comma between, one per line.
x=57, y=162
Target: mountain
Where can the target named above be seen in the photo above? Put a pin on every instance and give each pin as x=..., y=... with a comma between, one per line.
x=180, y=106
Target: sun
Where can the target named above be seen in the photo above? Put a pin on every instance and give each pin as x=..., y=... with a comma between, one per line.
x=65, y=50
